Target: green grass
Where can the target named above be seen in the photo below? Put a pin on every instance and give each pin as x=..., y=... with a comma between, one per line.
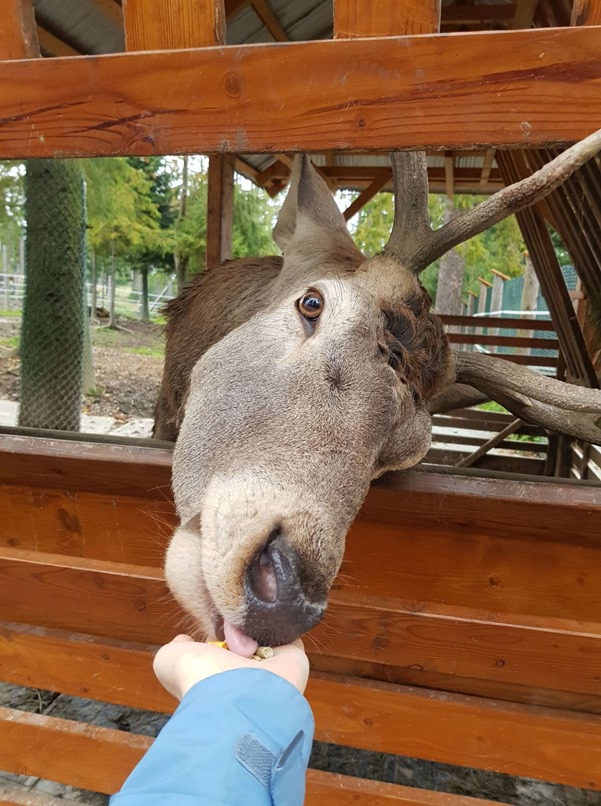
x=10, y=341
x=492, y=406
x=10, y=313
x=156, y=350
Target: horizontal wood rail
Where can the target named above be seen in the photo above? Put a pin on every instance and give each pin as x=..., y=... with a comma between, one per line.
x=504, y=341
x=536, y=86
x=100, y=759
x=455, y=637
x=512, y=323
x=441, y=727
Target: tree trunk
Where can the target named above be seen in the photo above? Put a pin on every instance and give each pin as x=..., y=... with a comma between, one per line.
x=113, y=315
x=53, y=311
x=181, y=260
x=450, y=276
x=145, y=312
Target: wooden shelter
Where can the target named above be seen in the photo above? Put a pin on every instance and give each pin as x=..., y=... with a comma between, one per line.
x=468, y=631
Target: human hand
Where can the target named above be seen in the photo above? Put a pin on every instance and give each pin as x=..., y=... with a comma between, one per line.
x=183, y=662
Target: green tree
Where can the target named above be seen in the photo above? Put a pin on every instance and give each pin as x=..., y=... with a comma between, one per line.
x=156, y=254
x=123, y=218
x=53, y=314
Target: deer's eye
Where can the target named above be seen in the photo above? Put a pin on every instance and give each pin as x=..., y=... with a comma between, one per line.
x=311, y=305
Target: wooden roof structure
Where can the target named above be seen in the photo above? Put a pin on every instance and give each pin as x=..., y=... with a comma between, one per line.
x=77, y=27
x=490, y=102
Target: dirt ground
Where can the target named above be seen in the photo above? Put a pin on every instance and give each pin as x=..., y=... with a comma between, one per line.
x=128, y=365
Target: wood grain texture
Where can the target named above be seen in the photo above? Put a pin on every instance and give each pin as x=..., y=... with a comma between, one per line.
x=353, y=18
x=220, y=209
x=586, y=12
x=18, y=37
x=538, y=86
x=534, y=742
x=171, y=24
x=128, y=603
x=107, y=756
x=518, y=740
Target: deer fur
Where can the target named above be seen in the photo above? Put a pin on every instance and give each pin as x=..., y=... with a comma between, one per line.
x=280, y=423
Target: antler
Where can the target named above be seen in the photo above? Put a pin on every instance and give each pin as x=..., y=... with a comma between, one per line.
x=416, y=245
x=544, y=401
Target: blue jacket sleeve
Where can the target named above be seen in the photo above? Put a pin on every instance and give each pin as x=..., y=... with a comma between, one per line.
x=241, y=738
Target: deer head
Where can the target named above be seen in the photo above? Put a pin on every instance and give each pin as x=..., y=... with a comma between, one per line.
x=327, y=381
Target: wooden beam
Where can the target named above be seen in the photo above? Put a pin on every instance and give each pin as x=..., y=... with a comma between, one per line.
x=234, y=7
x=475, y=14
x=250, y=98
x=53, y=46
x=220, y=209
x=18, y=38
x=487, y=165
x=541, y=250
x=167, y=24
x=491, y=443
x=265, y=13
x=586, y=12
x=449, y=174
x=368, y=194
x=524, y=15
x=110, y=9
x=354, y=18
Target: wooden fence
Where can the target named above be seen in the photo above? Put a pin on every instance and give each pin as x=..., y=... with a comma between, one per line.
x=465, y=627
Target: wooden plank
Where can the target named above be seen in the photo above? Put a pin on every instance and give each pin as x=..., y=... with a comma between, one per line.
x=504, y=341
x=110, y=527
x=367, y=194
x=250, y=98
x=86, y=756
x=329, y=789
x=492, y=622
x=167, y=24
x=100, y=747
x=18, y=39
x=471, y=14
x=519, y=740
x=491, y=443
x=586, y=12
x=73, y=464
x=53, y=46
x=353, y=18
x=220, y=209
x=511, y=323
x=265, y=13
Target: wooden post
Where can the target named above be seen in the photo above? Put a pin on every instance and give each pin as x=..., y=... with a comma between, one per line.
x=471, y=309
x=220, y=208
x=496, y=299
x=172, y=24
x=482, y=297
x=529, y=298
x=365, y=18
x=586, y=12
x=166, y=24
x=18, y=36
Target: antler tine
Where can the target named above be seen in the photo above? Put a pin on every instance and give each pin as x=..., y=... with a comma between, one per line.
x=411, y=227
x=544, y=401
x=505, y=202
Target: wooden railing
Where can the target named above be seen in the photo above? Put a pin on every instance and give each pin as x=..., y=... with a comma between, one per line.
x=465, y=628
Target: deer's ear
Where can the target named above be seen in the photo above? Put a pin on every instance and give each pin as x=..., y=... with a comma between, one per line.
x=309, y=213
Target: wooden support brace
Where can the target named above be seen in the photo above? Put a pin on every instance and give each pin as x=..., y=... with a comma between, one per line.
x=491, y=443
x=18, y=38
x=167, y=24
x=367, y=194
x=586, y=12
x=358, y=18
x=220, y=209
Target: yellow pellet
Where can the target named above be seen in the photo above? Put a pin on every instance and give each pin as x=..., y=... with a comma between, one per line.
x=222, y=644
x=264, y=652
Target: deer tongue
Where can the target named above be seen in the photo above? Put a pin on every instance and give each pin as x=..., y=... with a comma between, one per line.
x=238, y=642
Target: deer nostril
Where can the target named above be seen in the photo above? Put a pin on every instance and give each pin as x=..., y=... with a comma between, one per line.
x=265, y=583
x=265, y=569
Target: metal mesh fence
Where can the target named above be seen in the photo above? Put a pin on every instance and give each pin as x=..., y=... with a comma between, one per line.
x=52, y=336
